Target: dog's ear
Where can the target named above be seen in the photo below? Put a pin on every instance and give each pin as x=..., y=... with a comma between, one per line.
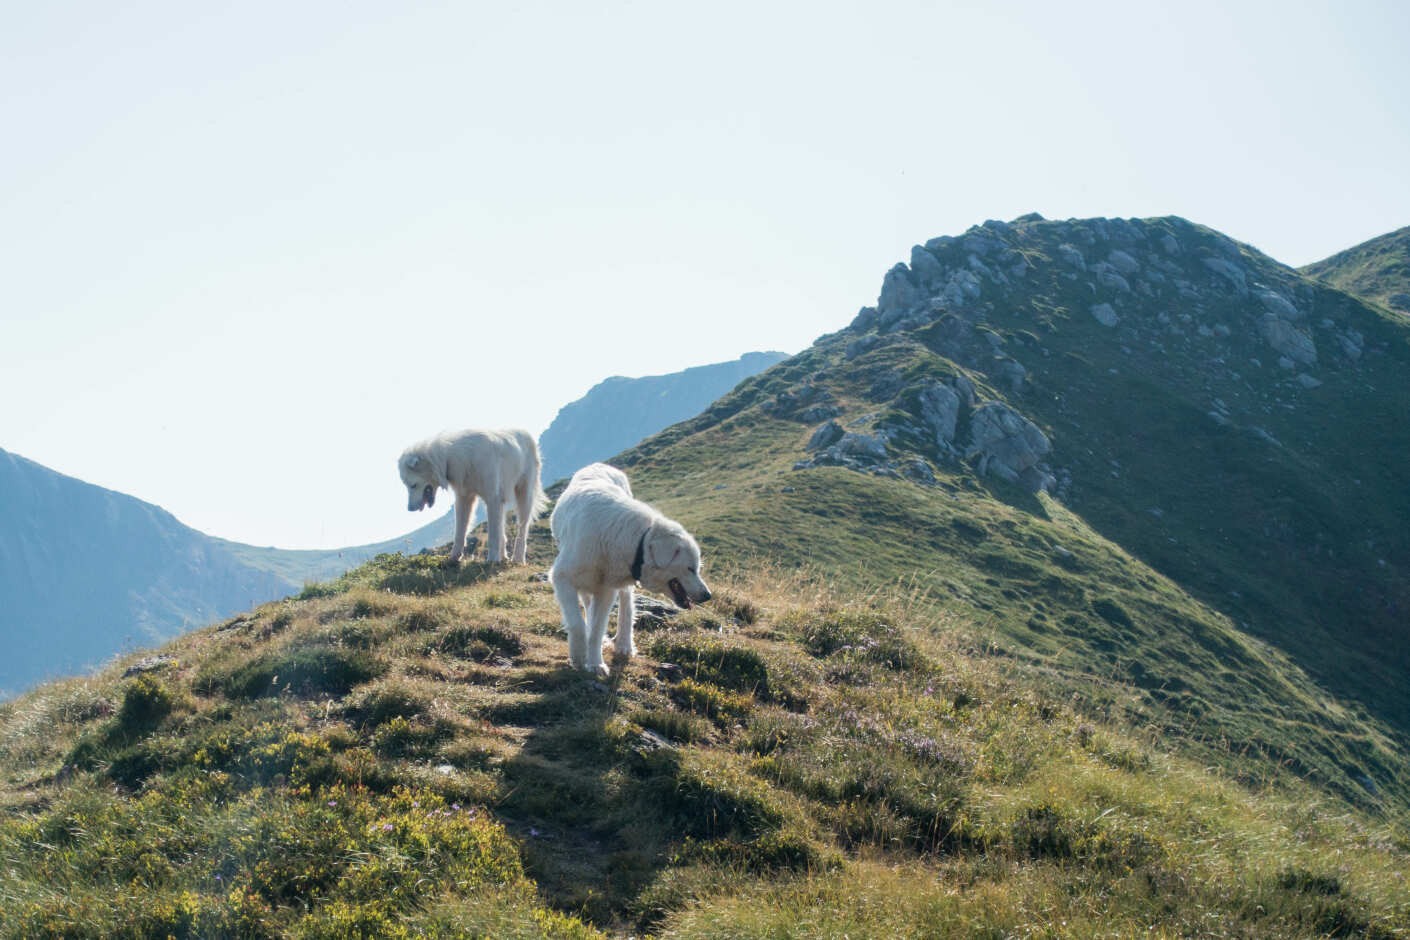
x=414, y=462
x=654, y=549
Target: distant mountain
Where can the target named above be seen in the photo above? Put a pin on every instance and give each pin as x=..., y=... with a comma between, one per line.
x=1377, y=270
x=618, y=412
x=85, y=572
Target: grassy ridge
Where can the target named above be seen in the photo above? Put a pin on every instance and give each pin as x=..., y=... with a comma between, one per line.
x=1376, y=269
x=1032, y=577
x=405, y=753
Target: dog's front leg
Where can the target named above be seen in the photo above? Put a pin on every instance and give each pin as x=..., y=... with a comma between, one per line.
x=573, y=623
x=599, y=609
x=464, y=509
x=626, y=616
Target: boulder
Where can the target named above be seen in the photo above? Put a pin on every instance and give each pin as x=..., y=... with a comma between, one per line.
x=940, y=410
x=1105, y=315
x=961, y=289
x=853, y=444
x=1399, y=302
x=1006, y=442
x=1109, y=277
x=1275, y=303
x=1230, y=271
x=926, y=268
x=1287, y=339
x=865, y=344
x=826, y=435
x=899, y=295
x=1123, y=262
x=1170, y=244
x=1071, y=255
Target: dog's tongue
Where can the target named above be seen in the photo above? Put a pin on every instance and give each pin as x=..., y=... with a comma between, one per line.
x=678, y=592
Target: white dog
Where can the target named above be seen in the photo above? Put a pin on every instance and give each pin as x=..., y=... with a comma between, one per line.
x=502, y=467
x=607, y=541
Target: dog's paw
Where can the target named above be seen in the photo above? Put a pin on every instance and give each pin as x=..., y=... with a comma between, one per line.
x=626, y=652
x=453, y=561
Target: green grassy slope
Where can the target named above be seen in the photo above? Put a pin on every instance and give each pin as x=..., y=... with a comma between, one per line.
x=1377, y=270
x=404, y=752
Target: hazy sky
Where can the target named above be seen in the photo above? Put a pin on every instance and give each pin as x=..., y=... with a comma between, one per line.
x=248, y=254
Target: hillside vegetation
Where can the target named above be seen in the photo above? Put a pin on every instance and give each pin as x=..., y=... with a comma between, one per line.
x=1218, y=525
x=404, y=752
x=1377, y=270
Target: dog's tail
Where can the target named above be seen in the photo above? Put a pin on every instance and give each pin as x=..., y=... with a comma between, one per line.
x=540, y=501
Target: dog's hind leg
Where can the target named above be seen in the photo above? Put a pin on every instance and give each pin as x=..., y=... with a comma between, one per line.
x=494, y=521
x=464, y=512
x=524, y=506
x=626, y=615
x=573, y=623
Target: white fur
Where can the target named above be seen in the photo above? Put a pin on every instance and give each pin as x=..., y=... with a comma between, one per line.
x=598, y=525
x=501, y=467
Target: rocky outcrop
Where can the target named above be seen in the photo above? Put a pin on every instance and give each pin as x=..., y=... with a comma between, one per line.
x=1008, y=445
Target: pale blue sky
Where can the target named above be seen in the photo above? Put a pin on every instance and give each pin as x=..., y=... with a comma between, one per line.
x=250, y=253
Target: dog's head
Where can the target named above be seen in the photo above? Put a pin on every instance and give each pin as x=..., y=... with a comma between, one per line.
x=671, y=564
x=420, y=478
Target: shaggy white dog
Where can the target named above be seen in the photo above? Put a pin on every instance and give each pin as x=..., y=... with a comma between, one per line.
x=502, y=467
x=607, y=541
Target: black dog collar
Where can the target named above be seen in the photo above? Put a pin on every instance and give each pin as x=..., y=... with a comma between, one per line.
x=639, y=557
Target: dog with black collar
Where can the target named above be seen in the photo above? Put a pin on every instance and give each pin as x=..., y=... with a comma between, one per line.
x=608, y=542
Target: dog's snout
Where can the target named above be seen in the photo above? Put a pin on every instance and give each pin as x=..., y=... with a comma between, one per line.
x=704, y=595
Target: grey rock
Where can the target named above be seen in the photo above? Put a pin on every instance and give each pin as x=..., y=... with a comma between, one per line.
x=1285, y=363
x=962, y=288
x=1399, y=302
x=965, y=389
x=864, y=320
x=819, y=413
x=1105, y=315
x=1123, y=262
x=1287, y=339
x=853, y=444
x=825, y=436
x=937, y=245
x=1071, y=255
x=926, y=267
x=1352, y=343
x=885, y=386
x=979, y=267
x=981, y=244
x=149, y=664
x=1275, y=303
x=917, y=469
x=1109, y=277
x=899, y=295
x=1230, y=271
x=1170, y=244
x=940, y=410
x=1006, y=442
x=863, y=345
x=1307, y=381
